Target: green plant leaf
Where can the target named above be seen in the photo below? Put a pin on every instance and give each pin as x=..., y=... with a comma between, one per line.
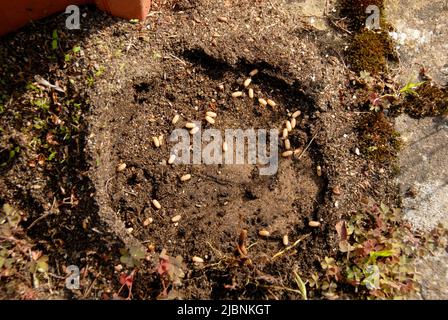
x=137, y=253
x=301, y=285
x=384, y=209
x=52, y=156
x=55, y=41
x=381, y=254
x=42, y=264
x=127, y=260
x=410, y=87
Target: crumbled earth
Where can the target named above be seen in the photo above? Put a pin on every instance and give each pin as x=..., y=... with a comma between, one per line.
x=219, y=201
x=128, y=81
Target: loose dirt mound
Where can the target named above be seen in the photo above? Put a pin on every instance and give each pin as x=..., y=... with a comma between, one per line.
x=188, y=61
x=199, y=74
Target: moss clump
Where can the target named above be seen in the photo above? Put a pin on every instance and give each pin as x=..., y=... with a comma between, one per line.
x=430, y=101
x=371, y=51
x=355, y=12
x=378, y=139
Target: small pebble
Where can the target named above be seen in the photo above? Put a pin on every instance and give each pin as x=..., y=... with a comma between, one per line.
x=251, y=93
x=211, y=114
x=156, y=142
x=253, y=72
x=185, y=177
x=287, y=154
x=293, y=122
x=156, y=204
x=197, y=259
x=161, y=139
x=210, y=120
x=118, y=267
x=337, y=190
x=148, y=221
x=263, y=102
x=296, y=114
x=271, y=103
x=314, y=224
x=171, y=159
x=175, y=119
x=319, y=171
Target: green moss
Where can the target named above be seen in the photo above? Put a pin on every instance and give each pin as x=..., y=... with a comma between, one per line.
x=430, y=100
x=378, y=139
x=371, y=51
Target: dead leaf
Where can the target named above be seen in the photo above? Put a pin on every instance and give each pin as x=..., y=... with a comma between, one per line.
x=241, y=247
x=341, y=229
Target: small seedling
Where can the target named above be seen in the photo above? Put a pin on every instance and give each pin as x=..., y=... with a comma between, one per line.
x=366, y=77
x=301, y=285
x=170, y=270
x=12, y=154
x=55, y=41
x=132, y=257
x=76, y=49
x=127, y=280
x=411, y=87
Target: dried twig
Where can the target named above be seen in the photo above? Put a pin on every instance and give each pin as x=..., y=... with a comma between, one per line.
x=178, y=59
x=309, y=144
x=50, y=212
x=280, y=253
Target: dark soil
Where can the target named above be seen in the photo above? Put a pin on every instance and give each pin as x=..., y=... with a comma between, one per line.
x=130, y=80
